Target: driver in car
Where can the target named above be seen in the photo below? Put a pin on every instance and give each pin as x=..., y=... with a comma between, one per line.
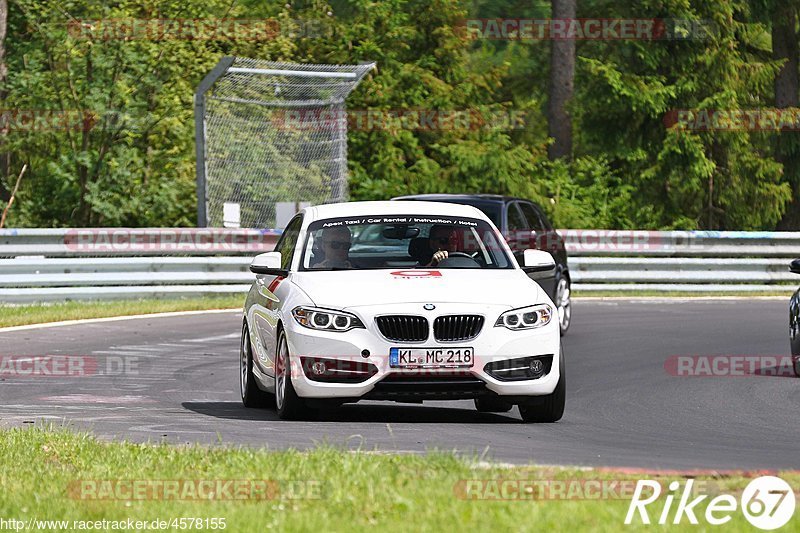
x=443, y=241
x=335, y=244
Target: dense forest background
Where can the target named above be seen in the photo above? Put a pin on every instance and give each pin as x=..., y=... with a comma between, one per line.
x=597, y=148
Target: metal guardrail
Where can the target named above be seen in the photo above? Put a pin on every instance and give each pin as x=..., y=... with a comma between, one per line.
x=27, y=279
x=57, y=265
x=721, y=244
x=679, y=270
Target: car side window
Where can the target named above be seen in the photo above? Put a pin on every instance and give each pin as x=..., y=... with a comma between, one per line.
x=535, y=221
x=288, y=241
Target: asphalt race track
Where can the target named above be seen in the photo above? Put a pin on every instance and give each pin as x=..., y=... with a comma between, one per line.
x=623, y=407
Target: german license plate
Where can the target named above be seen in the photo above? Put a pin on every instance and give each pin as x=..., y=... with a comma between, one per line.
x=431, y=357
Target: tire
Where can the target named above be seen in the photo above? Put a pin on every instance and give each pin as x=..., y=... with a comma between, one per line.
x=252, y=396
x=563, y=302
x=796, y=361
x=288, y=404
x=492, y=405
x=549, y=408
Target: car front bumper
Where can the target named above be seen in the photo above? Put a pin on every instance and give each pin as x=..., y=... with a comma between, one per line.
x=492, y=344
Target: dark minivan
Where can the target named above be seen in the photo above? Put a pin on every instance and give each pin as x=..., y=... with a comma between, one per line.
x=794, y=321
x=524, y=225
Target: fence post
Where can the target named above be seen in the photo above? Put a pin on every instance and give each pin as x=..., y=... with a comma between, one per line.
x=200, y=136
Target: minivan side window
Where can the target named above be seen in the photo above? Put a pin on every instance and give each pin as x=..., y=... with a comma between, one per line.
x=545, y=221
x=534, y=220
x=515, y=220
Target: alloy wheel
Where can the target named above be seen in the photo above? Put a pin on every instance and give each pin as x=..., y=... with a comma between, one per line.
x=280, y=373
x=564, y=304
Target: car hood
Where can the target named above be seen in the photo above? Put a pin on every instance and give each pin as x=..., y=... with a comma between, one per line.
x=344, y=289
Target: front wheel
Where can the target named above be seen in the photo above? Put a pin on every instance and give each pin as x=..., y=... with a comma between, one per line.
x=289, y=405
x=549, y=408
x=796, y=361
x=564, y=304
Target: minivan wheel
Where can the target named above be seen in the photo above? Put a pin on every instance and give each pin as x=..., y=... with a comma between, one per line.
x=564, y=304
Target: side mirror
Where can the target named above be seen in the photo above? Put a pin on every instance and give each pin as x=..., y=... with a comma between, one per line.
x=795, y=266
x=268, y=264
x=539, y=262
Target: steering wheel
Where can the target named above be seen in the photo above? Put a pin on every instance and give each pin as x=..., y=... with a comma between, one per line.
x=458, y=260
x=458, y=254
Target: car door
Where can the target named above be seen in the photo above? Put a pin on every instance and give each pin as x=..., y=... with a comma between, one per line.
x=271, y=292
x=535, y=233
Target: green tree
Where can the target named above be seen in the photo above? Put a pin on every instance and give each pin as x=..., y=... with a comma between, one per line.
x=631, y=167
x=682, y=178
x=131, y=162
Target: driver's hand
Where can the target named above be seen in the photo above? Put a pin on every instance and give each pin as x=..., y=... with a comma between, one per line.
x=439, y=256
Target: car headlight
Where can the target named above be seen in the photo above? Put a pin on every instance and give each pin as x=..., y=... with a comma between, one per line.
x=325, y=319
x=534, y=316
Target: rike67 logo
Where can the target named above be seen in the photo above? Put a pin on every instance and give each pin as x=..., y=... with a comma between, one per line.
x=767, y=502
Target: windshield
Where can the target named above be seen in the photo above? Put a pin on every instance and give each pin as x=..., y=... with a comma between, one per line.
x=491, y=208
x=402, y=241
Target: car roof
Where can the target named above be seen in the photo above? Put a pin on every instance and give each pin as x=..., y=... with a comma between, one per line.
x=386, y=207
x=444, y=196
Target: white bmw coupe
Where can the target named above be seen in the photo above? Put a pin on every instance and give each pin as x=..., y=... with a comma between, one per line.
x=400, y=301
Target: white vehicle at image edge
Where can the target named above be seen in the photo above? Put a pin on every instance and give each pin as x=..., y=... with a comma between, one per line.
x=400, y=301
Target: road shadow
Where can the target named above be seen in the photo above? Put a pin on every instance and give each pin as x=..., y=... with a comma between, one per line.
x=230, y=411
x=364, y=413
x=413, y=413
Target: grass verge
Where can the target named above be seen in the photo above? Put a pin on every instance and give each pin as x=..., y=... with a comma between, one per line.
x=58, y=474
x=21, y=315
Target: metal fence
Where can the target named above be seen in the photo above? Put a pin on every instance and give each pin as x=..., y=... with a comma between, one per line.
x=270, y=135
x=58, y=264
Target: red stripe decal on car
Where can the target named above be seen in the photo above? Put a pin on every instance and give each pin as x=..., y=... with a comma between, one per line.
x=274, y=285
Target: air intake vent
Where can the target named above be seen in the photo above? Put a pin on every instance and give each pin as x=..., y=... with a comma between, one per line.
x=457, y=327
x=403, y=328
